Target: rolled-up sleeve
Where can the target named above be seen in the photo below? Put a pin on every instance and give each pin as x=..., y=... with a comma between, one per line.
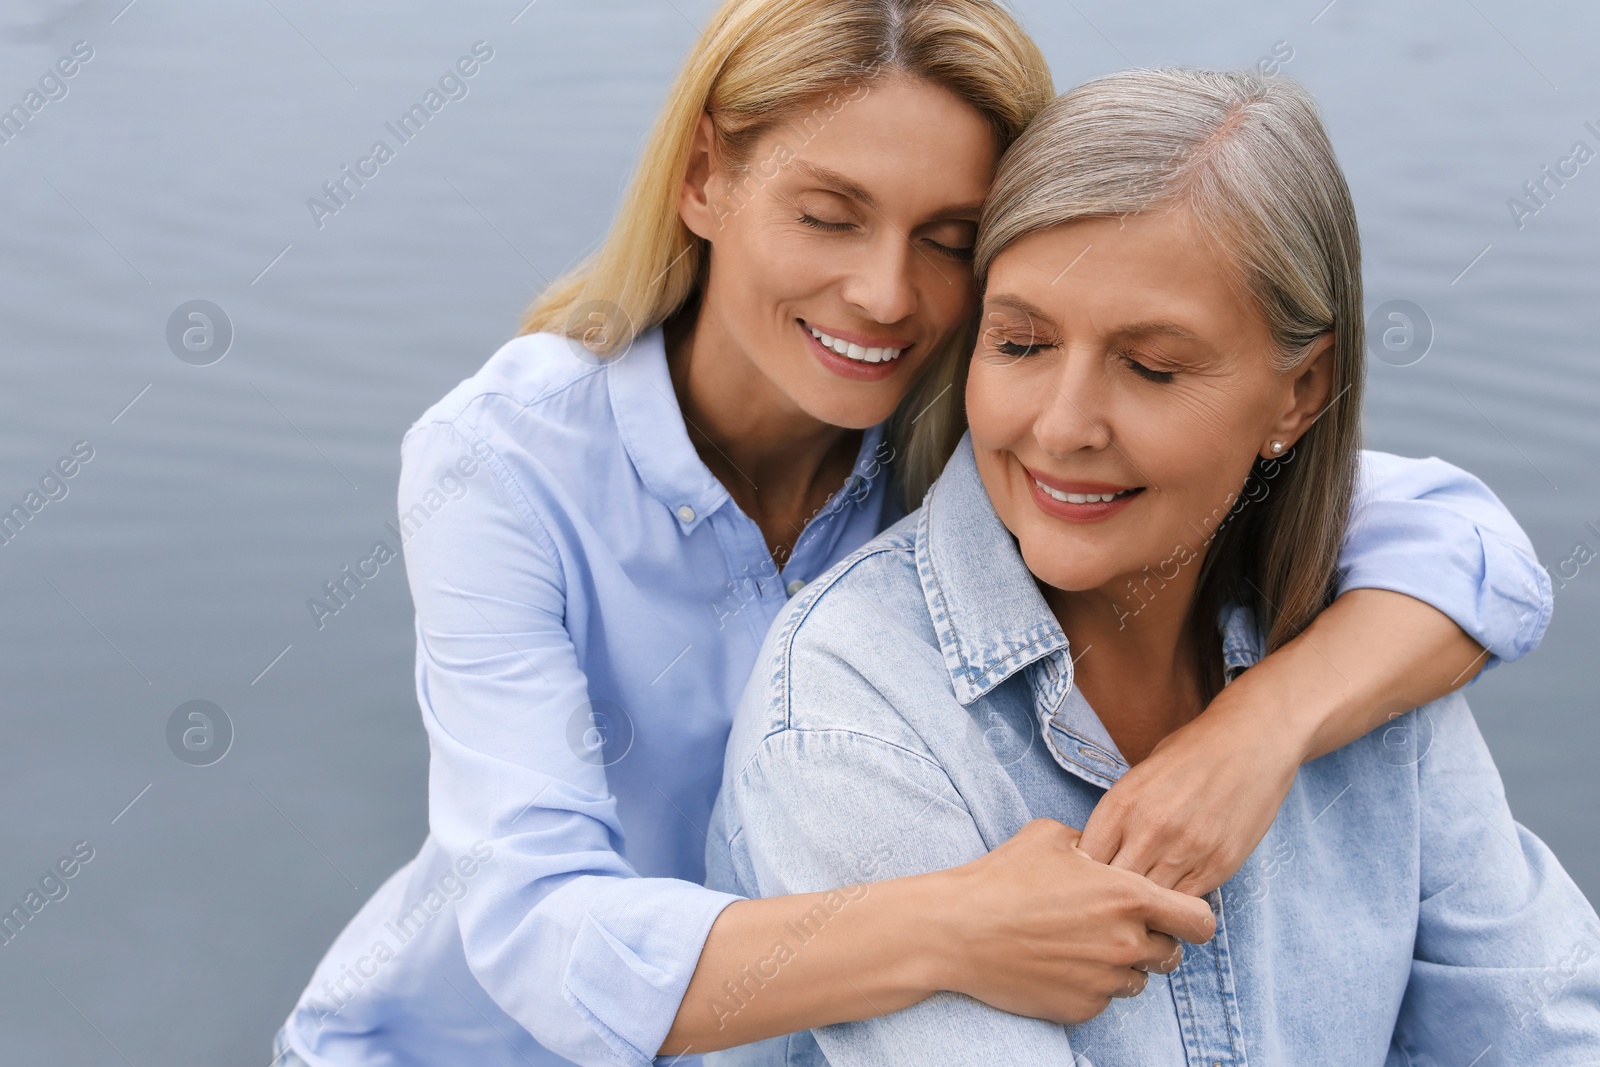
x=588, y=956
x=1432, y=531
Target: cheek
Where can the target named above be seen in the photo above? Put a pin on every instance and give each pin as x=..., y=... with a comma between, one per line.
x=946, y=294
x=1189, y=434
x=1199, y=451
x=999, y=409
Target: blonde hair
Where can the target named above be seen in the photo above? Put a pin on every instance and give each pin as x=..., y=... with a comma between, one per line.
x=758, y=63
x=1249, y=159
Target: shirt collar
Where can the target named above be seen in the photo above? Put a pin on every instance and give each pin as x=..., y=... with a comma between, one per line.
x=656, y=435
x=988, y=613
x=1242, y=643
x=987, y=610
x=653, y=431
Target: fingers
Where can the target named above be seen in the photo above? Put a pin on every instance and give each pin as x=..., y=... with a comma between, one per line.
x=1164, y=873
x=1134, y=985
x=1184, y=917
x=1163, y=956
x=1129, y=858
x=1102, y=834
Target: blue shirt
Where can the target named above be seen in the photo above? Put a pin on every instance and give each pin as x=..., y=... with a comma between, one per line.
x=589, y=605
x=912, y=711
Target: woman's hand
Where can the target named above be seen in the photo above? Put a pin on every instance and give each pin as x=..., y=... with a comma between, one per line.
x=1038, y=928
x=1189, y=815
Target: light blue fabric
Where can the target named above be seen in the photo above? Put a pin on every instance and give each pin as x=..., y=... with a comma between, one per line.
x=916, y=707
x=580, y=576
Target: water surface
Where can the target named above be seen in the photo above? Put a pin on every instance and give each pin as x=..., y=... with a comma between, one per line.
x=178, y=566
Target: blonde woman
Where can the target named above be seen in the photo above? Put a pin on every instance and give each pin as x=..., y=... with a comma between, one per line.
x=756, y=373
x=1395, y=913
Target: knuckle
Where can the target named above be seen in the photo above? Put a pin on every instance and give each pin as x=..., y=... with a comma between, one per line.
x=1128, y=949
x=1192, y=840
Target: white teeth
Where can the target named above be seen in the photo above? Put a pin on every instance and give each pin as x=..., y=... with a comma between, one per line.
x=1080, y=498
x=855, y=352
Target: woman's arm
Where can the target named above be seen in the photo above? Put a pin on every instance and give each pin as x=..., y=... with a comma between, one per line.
x=1439, y=581
x=1033, y=927
x=558, y=928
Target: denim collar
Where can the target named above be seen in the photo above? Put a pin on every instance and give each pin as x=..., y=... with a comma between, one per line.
x=986, y=607
x=656, y=435
x=992, y=621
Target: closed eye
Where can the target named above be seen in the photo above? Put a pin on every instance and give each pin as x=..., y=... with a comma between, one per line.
x=1014, y=349
x=820, y=224
x=1160, y=376
x=964, y=254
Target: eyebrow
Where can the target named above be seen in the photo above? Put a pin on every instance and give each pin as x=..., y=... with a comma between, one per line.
x=1159, y=327
x=1017, y=303
x=1149, y=328
x=838, y=183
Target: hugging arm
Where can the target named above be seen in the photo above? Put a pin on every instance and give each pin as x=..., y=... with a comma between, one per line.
x=900, y=816
x=558, y=928
x=1438, y=582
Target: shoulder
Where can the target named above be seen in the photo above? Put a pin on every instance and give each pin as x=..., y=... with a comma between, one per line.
x=535, y=377
x=1436, y=747
x=533, y=426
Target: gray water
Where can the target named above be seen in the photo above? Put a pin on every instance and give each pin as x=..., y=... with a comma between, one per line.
x=219, y=498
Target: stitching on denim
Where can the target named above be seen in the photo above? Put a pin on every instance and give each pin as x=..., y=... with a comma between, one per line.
x=779, y=706
x=1229, y=1006
x=975, y=674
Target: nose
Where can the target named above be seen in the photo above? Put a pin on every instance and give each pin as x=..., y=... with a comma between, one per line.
x=1074, y=416
x=882, y=286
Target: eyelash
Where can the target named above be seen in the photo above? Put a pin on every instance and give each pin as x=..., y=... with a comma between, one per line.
x=1015, y=350
x=1018, y=351
x=827, y=227
x=1161, y=377
x=962, y=254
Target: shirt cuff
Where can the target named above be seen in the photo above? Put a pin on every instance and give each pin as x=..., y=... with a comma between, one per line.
x=1494, y=591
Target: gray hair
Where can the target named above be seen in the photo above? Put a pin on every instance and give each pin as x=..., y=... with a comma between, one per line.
x=1249, y=159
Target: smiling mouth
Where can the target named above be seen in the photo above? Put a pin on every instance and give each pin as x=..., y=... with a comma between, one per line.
x=858, y=353
x=1086, y=498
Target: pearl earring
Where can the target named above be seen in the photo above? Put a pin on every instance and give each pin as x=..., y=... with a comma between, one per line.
x=1277, y=446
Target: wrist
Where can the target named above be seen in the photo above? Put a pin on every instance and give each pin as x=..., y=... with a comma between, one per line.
x=1267, y=703
x=933, y=947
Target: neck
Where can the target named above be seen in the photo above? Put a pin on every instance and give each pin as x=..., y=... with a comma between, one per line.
x=1137, y=668
x=778, y=463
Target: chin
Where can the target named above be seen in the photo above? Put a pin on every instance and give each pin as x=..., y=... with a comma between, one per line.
x=849, y=413
x=1069, y=576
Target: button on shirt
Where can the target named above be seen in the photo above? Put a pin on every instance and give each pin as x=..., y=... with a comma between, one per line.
x=589, y=605
x=912, y=711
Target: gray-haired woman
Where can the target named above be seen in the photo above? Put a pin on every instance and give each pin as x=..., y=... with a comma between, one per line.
x=1172, y=313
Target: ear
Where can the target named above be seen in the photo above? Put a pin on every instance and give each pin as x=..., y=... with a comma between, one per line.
x=1309, y=395
x=696, y=204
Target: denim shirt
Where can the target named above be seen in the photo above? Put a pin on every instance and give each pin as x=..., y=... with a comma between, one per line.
x=915, y=707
